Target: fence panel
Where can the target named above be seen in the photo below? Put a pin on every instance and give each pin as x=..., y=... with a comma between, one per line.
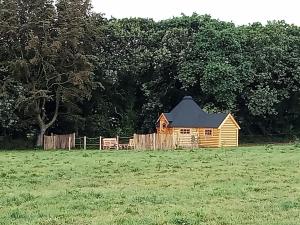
x=59, y=141
x=153, y=141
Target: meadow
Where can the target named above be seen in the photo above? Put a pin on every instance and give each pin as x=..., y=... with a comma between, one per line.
x=246, y=185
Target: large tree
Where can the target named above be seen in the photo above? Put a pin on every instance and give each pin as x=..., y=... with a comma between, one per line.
x=45, y=54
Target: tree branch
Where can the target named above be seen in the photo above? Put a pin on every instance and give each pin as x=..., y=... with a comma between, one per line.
x=57, y=99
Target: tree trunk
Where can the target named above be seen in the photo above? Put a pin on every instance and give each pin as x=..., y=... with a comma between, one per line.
x=42, y=124
x=40, y=139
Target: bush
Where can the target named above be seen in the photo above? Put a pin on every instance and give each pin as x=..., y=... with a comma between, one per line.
x=9, y=143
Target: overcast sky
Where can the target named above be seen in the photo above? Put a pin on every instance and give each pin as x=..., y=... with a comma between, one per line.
x=238, y=11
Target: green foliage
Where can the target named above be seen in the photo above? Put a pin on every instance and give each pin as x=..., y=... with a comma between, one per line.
x=11, y=91
x=43, y=54
x=225, y=81
x=77, y=71
x=262, y=101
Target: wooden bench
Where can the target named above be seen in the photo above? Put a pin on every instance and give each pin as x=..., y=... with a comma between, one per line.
x=110, y=143
x=131, y=144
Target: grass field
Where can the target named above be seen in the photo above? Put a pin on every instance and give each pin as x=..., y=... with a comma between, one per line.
x=248, y=185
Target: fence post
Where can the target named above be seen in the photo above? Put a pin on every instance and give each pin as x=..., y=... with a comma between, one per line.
x=134, y=141
x=100, y=143
x=74, y=140
x=69, y=143
x=84, y=142
x=44, y=144
x=160, y=142
x=54, y=142
x=154, y=141
x=173, y=141
x=117, y=142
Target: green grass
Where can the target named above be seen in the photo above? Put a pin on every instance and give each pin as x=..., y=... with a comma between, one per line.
x=248, y=185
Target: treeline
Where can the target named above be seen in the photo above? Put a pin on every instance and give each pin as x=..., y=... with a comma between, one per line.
x=65, y=69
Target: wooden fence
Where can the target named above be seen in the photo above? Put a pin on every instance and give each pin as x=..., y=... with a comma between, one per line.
x=59, y=141
x=154, y=141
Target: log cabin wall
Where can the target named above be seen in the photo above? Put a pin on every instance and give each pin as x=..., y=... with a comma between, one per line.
x=229, y=133
x=184, y=137
x=209, y=137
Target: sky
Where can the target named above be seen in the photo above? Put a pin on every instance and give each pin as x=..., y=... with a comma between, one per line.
x=238, y=11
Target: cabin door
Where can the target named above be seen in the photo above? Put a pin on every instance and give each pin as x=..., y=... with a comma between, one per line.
x=185, y=138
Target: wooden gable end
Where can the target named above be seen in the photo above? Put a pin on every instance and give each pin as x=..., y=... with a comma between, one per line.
x=229, y=132
x=227, y=120
x=162, y=123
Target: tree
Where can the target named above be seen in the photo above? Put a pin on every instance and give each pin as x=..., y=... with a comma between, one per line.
x=9, y=93
x=272, y=84
x=52, y=57
x=45, y=55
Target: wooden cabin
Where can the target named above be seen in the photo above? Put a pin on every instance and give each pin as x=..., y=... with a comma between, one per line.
x=188, y=123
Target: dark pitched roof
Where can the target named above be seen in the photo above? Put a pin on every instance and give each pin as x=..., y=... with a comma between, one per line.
x=188, y=114
x=169, y=117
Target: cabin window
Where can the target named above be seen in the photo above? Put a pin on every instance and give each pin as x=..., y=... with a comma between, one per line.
x=164, y=125
x=185, y=131
x=208, y=132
